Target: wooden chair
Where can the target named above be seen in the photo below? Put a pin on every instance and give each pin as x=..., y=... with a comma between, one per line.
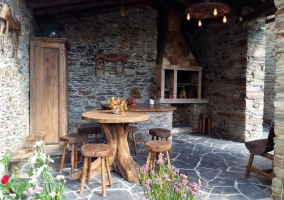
x=131, y=130
x=103, y=151
x=73, y=140
x=91, y=130
x=160, y=133
x=261, y=147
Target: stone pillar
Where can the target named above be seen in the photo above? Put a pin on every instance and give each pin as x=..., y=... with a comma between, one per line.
x=278, y=161
x=255, y=78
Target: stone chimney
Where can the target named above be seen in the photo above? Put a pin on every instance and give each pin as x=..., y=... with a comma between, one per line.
x=175, y=56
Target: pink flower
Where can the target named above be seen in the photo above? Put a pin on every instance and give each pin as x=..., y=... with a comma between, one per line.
x=183, y=196
x=147, y=187
x=184, y=182
x=5, y=179
x=26, y=193
x=158, y=181
x=177, y=190
x=13, y=195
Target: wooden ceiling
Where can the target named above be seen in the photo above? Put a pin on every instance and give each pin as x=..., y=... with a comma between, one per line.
x=43, y=10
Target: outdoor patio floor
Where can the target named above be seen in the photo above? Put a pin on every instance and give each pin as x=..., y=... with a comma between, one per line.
x=219, y=164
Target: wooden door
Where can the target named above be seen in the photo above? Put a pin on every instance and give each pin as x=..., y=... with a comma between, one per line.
x=48, y=94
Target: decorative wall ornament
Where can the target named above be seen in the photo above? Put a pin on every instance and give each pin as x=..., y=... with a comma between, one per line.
x=8, y=22
x=110, y=58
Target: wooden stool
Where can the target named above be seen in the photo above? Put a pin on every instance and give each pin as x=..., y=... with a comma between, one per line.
x=132, y=129
x=74, y=140
x=91, y=130
x=160, y=133
x=203, y=118
x=157, y=146
x=96, y=150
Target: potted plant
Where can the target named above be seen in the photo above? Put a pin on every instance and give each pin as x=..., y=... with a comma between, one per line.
x=183, y=92
x=134, y=93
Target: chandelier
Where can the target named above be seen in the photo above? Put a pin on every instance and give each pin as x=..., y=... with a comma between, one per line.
x=208, y=9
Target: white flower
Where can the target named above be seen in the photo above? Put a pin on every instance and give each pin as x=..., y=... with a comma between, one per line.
x=33, y=159
x=2, y=169
x=42, y=156
x=32, y=181
x=49, y=159
x=52, y=194
x=59, y=177
x=37, y=144
x=40, y=169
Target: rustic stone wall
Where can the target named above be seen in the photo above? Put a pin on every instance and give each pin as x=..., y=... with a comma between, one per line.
x=278, y=161
x=133, y=36
x=270, y=75
x=255, y=71
x=14, y=83
x=232, y=56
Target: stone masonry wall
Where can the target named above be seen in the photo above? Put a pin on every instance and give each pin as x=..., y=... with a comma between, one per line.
x=269, y=92
x=221, y=51
x=14, y=83
x=233, y=76
x=255, y=74
x=278, y=161
x=134, y=36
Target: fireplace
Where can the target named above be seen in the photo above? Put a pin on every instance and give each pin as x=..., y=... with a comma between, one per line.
x=177, y=68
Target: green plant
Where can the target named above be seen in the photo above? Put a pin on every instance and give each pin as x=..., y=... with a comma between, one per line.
x=183, y=89
x=39, y=185
x=161, y=182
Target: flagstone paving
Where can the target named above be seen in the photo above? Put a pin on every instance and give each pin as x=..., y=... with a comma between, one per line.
x=219, y=164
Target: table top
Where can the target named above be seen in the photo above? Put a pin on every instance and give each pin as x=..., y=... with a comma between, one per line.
x=106, y=116
x=146, y=108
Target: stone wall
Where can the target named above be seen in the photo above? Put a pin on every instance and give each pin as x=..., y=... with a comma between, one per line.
x=14, y=83
x=133, y=36
x=255, y=74
x=278, y=161
x=232, y=56
x=270, y=75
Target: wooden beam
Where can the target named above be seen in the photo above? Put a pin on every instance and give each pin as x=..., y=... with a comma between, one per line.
x=32, y=4
x=77, y=6
x=90, y=12
x=269, y=8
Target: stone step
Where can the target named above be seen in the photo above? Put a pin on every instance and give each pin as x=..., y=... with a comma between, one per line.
x=182, y=129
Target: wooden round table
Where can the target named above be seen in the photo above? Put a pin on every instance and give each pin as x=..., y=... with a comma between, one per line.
x=115, y=129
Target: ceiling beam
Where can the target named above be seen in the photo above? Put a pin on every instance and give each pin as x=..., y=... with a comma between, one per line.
x=90, y=12
x=269, y=8
x=77, y=6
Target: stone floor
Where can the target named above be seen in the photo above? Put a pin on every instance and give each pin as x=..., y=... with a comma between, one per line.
x=219, y=164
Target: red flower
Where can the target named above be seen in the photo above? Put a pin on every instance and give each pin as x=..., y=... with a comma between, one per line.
x=5, y=179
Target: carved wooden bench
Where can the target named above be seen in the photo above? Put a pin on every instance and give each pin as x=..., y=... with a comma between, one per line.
x=25, y=150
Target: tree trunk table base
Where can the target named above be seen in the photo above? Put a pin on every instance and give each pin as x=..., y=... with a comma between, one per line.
x=121, y=160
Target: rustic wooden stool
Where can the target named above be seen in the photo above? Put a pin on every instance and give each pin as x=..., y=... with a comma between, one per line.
x=261, y=147
x=160, y=133
x=203, y=118
x=131, y=130
x=90, y=130
x=74, y=140
x=157, y=146
x=96, y=150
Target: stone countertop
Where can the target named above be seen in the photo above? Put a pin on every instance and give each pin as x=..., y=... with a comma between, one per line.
x=146, y=108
